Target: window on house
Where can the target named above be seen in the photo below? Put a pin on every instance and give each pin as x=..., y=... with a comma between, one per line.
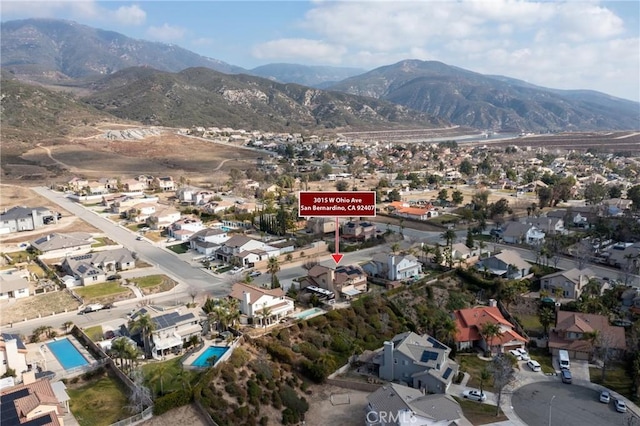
x=395, y=361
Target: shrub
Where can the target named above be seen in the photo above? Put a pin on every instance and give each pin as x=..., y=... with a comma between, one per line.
x=309, y=351
x=228, y=373
x=254, y=392
x=172, y=400
x=314, y=371
x=341, y=344
x=280, y=353
x=239, y=358
x=291, y=400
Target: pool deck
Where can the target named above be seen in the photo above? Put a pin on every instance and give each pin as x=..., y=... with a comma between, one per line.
x=318, y=312
x=40, y=354
x=188, y=361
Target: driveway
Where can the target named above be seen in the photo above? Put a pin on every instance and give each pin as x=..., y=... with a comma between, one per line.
x=555, y=403
x=579, y=369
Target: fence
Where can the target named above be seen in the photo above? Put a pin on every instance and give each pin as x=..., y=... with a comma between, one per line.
x=144, y=415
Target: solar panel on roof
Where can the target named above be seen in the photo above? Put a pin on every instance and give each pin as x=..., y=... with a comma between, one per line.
x=447, y=373
x=428, y=356
x=435, y=343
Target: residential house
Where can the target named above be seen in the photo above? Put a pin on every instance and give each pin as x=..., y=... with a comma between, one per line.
x=261, y=306
x=14, y=285
x=321, y=225
x=358, y=230
x=236, y=245
x=393, y=267
x=165, y=183
x=18, y=219
x=141, y=212
x=580, y=334
x=163, y=218
x=13, y=354
x=93, y=268
x=416, y=213
x=76, y=184
x=522, y=233
x=571, y=282
x=507, y=264
x=134, y=185
x=34, y=403
x=183, y=229
x=397, y=405
x=172, y=328
x=207, y=240
x=574, y=217
x=96, y=188
x=348, y=281
x=469, y=323
x=58, y=245
x=461, y=253
x=191, y=195
x=548, y=225
x=422, y=362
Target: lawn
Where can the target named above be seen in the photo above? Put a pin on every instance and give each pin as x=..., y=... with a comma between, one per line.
x=542, y=356
x=174, y=377
x=616, y=379
x=179, y=248
x=98, y=402
x=95, y=333
x=480, y=414
x=530, y=322
x=100, y=292
x=445, y=218
x=153, y=283
x=102, y=241
x=473, y=365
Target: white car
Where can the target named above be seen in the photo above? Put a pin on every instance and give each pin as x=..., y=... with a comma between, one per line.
x=605, y=397
x=236, y=270
x=474, y=395
x=524, y=355
x=516, y=354
x=534, y=365
x=621, y=407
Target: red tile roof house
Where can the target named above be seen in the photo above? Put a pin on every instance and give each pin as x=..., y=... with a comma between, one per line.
x=572, y=333
x=469, y=322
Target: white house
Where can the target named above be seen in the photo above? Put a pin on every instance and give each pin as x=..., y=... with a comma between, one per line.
x=207, y=240
x=162, y=218
x=237, y=244
x=13, y=286
x=58, y=245
x=262, y=306
x=13, y=354
x=522, y=233
x=184, y=229
x=393, y=267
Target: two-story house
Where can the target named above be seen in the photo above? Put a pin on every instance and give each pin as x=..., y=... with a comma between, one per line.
x=469, y=326
x=548, y=225
x=393, y=267
x=165, y=183
x=580, y=334
x=261, y=306
x=348, y=281
x=522, y=233
x=571, y=282
x=421, y=362
x=358, y=230
x=13, y=354
x=171, y=329
x=507, y=264
x=397, y=405
x=163, y=217
x=185, y=228
x=321, y=225
x=236, y=245
x=207, y=240
x=34, y=403
x=18, y=219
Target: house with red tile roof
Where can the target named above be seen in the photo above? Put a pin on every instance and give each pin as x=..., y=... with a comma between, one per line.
x=33, y=403
x=469, y=323
x=574, y=331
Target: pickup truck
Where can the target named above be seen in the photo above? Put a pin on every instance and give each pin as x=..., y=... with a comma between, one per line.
x=94, y=307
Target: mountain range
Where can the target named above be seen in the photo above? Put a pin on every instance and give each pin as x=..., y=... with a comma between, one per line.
x=165, y=84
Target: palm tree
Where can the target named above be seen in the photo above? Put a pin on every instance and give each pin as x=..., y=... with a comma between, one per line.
x=485, y=375
x=547, y=317
x=273, y=267
x=446, y=329
x=426, y=250
x=592, y=289
x=118, y=349
x=395, y=247
x=450, y=236
x=67, y=325
x=145, y=325
x=161, y=371
x=488, y=331
x=233, y=314
x=265, y=313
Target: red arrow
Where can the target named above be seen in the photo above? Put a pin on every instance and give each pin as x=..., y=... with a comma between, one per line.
x=337, y=257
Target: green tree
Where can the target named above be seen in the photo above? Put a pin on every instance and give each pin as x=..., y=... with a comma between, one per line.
x=485, y=376
x=633, y=194
x=273, y=267
x=342, y=185
x=547, y=316
x=466, y=168
x=469, y=241
x=489, y=331
x=443, y=194
x=594, y=193
x=146, y=326
x=615, y=191
x=457, y=197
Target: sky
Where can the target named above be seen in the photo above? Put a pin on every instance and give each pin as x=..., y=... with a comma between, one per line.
x=558, y=44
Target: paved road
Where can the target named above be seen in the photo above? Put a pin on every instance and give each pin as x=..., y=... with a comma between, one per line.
x=573, y=405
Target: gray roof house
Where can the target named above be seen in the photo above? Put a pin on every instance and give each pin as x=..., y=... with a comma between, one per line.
x=522, y=233
x=393, y=266
x=13, y=286
x=207, y=240
x=422, y=362
x=57, y=245
x=18, y=219
x=92, y=268
x=395, y=404
x=507, y=264
x=572, y=282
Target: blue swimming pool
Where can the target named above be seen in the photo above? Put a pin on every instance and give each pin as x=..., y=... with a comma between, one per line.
x=226, y=228
x=309, y=312
x=67, y=354
x=211, y=351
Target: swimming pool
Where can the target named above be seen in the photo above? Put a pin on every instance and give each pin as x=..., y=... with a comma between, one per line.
x=67, y=354
x=226, y=228
x=211, y=351
x=309, y=312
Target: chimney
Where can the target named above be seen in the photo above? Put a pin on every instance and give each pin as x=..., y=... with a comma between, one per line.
x=493, y=303
x=246, y=303
x=386, y=369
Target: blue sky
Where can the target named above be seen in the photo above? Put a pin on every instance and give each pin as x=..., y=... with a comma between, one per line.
x=567, y=45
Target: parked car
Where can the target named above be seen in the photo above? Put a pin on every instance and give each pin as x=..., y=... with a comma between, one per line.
x=138, y=238
x=566, y=376
x=534, y=365
x=621, y=407
x=516, y=354
x=605, y=397
x=236, y=270
x=474, y=395
x=523, y=354
x=255, y=273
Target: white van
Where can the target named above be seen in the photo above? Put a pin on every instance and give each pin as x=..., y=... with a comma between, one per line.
x=563, y=360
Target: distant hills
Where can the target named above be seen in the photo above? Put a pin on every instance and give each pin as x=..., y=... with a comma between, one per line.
x=172, y=86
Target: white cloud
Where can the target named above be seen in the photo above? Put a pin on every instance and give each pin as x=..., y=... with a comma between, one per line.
x=315, y=51
x=130, y=15
x=203, y=41
x=166, y=33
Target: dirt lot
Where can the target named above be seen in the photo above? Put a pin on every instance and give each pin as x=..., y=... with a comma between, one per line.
x=182, y=416
x=31, y=307
x=347, y=408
